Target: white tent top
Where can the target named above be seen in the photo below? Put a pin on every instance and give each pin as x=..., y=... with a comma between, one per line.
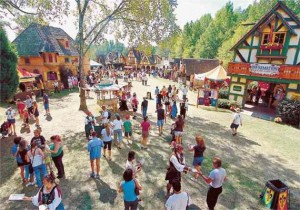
x=94, y=63
x=200, y=76
x=218, y=73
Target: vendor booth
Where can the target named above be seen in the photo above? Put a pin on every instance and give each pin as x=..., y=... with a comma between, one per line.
x=210, y=83
x=28, y=83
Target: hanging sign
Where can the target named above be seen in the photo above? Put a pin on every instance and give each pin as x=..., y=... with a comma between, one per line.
x=264, y=69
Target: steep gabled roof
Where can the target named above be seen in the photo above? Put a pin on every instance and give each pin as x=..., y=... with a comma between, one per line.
x=265, y=18
x=37, y=38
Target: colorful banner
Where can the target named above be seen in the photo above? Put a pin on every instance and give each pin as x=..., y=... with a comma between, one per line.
x=264, y=69
x=268, y=197
x=282, y=201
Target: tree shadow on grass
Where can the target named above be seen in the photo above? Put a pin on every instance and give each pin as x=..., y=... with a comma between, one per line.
x=247, y=169
x=8, y=163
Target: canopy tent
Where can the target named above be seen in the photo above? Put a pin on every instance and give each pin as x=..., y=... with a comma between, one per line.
x=94, y=63
x=26, y=76
x=217, y=74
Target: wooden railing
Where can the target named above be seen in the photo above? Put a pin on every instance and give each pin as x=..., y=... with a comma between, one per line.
x=285, y=71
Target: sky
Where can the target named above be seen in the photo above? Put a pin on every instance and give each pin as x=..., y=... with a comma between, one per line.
x=186, y=11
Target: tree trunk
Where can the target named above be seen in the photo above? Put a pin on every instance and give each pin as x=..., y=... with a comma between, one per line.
x=82, y=106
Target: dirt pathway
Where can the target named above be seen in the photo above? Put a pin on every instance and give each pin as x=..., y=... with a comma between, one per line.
x=262, y=151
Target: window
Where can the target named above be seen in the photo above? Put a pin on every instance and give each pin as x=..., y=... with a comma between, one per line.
x=67, y=44
x=51, y=75
x=67, y=60
x=279, y=38
x=27, y=61
x=265, y=39
x=50, y=58
x=44, y=58
x=55, y=56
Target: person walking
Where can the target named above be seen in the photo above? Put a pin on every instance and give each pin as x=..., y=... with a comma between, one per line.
x=36, y=113
x=179, y=200
x=215, y=180
x=17, y=156
x=198, y=149
x=174, y=109
x=128, y=128
x=161, y=119
x=57, y=153
x=130, y=188
x=145, y=125
x=46, y=104
x=144, y=107
x=11, y=114
x=107, y=139
x=184, y=91
x=236, y=122
x=178, y=131
x=94, y=148
x=156, y=91
x=118, y=130
x=132, y=164
x=134, y=104
x=37, y=156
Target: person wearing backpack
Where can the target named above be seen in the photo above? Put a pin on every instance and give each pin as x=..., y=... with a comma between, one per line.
x=179, y=200
x=49, y=195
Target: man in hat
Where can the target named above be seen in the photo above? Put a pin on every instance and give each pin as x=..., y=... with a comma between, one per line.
x=236, y=122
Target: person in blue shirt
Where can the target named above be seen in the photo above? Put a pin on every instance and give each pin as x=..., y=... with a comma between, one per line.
x=94, y=147
x=130, y=187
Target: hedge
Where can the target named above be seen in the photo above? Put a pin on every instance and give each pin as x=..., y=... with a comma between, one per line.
x=289, y=112
x=226, y=103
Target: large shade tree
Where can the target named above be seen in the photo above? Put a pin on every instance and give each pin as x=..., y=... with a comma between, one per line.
x=136, y=21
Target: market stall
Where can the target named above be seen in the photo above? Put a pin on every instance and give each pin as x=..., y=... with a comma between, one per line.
x=212, y=81
x=28, y=83
x=108, y=93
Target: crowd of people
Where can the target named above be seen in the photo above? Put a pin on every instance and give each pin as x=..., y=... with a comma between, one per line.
x=35, y=160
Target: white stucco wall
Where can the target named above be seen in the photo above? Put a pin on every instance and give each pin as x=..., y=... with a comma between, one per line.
x=290, y=56
x=245, y=53
x=253, y=56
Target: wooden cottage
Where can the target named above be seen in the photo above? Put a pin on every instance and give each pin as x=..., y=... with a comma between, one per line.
x=268, y=54
x=48, y=51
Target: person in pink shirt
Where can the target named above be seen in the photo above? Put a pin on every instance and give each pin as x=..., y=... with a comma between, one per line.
x=145, y=125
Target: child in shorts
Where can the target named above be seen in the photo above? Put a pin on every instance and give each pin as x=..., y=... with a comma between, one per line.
x=26, y=118
x=128, y=128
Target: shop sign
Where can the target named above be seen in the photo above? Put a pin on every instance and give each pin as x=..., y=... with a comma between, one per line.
x=264, y=69
x=237, y=88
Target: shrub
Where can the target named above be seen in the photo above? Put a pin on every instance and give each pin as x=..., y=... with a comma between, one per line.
x=223, y=93
x=289, y=111
x=226, y=103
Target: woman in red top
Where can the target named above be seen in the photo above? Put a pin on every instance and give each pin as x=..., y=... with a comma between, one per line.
x=145, y=125
x=20, y=106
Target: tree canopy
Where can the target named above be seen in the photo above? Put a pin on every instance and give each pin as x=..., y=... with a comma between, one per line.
x=213, y=37
x=9, y=79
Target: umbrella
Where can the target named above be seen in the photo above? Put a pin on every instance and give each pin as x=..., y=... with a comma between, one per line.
x=218, y=74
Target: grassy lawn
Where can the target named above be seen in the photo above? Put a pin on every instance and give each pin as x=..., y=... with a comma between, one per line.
x=260, y=152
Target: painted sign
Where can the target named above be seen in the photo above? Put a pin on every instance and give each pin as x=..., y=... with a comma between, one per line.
x=282, y=201
x=268, y=197
x=237, y=88
x=264, y=69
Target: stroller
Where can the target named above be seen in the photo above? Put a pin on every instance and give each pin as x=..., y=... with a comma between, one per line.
x=4, y=128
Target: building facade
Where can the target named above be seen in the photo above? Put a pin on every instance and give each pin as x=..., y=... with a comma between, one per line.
x=268, y=53
x=48, y=51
